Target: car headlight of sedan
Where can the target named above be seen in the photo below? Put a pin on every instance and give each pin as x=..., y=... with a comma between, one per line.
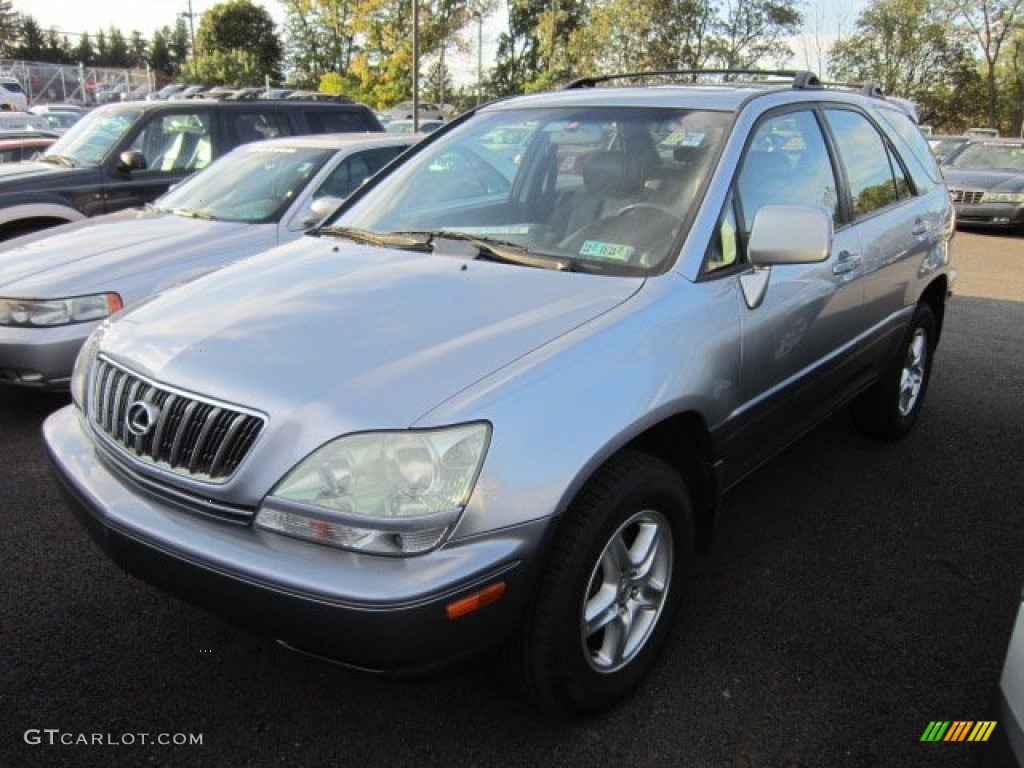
x=390, y=493
x=45, y=313
x=1003, y=197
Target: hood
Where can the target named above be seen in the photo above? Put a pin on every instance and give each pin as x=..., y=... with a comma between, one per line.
x=19, y=176
x=129, y=252
x=990, y=181
x=328, y=337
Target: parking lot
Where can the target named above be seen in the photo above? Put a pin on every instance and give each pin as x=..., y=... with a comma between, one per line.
x=855, y=592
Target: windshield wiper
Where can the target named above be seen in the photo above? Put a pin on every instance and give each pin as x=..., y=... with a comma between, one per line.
x=496, y=250
x=389, y=239
x=67, y=162
x=193, y=213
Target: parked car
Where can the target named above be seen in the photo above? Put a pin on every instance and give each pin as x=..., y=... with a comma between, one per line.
x=259, y=195
x=427, y=111
x=986, y=181
x=172, y=89
x=16, y=146
x=944, y=147
x=407, y=126
x=12, y=95
x=496, y=404
x=125, y=155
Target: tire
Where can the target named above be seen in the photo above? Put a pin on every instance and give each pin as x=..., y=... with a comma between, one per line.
x=890, y=408
x=619, y=559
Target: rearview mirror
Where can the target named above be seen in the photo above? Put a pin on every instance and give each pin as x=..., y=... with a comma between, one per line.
x=321, y=207
x=790, y=234
x=131, y=160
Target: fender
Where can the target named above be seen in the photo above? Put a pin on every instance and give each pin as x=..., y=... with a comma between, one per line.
x=34, y=206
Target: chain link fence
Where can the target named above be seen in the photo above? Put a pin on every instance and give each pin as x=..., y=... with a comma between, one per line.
x=70, y=84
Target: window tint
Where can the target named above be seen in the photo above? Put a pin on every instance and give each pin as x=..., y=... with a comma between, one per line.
x=178, y=142
x=867, y=160
x=332, y=121
x=787, y=162
x=244, y=127
x=353, y=170
x=923, y=168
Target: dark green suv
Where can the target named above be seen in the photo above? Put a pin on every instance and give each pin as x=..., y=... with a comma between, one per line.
x=125, y=155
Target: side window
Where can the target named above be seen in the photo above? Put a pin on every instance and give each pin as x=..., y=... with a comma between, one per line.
x=178, y=142
x=244, y=127
x=868, y=162
x=353, y=170
x=723, y=252
x=786, y=162
x=333, y=121
x=920, y=159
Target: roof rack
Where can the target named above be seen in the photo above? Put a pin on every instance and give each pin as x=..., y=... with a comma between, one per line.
x=864, y=89
x=800, y=79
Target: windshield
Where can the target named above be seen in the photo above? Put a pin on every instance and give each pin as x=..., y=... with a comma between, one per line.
x=252, y=184
x=991, y=156
x=90, y=139
x=604, y=189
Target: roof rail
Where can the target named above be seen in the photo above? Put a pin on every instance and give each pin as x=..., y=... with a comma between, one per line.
x=864, y=89
x=800, y=78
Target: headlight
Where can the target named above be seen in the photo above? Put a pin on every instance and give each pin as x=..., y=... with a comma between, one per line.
x=1003, y=197
x=80, y=373
x=49, y=312
x=396, y=493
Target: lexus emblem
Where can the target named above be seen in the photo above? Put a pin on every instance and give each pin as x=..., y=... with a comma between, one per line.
x=141, y=418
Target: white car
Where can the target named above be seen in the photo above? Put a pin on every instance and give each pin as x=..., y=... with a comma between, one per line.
x=56, y=285
x=12, y=95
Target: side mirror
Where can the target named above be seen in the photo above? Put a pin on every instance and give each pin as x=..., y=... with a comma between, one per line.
x=784, y=234
x=790, y=234
x=321, y=208
x=132, y=160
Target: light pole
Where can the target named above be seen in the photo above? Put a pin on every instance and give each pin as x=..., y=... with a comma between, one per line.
x=191, y=27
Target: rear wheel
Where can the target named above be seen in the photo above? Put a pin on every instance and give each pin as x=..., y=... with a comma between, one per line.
x=889, y=409
x=611, y=590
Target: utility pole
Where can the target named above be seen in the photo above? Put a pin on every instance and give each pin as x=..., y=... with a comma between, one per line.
x=191, y=27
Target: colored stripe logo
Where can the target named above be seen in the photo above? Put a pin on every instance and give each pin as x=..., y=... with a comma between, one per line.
x=958, y=730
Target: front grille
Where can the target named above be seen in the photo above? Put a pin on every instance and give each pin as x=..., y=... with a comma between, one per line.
x=189, y=436
x=966, y=196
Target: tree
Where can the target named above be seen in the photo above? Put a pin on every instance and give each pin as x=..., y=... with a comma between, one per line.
x=160, y=53
x=84, y=52
x=237, y=27
x=753, y=32
x=992, y=23
x=118, y=54
x=909, y=48
x=10, y=28
x=138, y=49
x=178, y=42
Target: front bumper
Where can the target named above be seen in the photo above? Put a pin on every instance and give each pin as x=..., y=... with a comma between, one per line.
x=41, y=358
x=1001, y=215
x=376, y=613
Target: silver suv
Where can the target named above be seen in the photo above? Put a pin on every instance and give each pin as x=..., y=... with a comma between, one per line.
x=497, y=399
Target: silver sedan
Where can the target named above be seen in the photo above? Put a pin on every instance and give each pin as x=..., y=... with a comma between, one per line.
x=57, y=285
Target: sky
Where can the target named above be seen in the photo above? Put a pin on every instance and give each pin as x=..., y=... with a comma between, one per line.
x=823, y=20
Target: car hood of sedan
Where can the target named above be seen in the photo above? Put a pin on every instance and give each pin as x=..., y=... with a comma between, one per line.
x=993, y=181
x=110, y=253
x=325, y=336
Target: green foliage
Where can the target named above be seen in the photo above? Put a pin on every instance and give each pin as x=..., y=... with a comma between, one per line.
x=911, y=50
x=237, y=37
x=231, y=67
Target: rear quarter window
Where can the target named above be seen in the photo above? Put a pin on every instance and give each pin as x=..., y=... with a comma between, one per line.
x=913, y=147
x=336, y=121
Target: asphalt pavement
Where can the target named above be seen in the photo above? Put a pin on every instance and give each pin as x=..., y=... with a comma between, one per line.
x=856, y=591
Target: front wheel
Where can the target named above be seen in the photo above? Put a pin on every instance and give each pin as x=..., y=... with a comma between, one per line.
x=889, y=409
x=611, y=589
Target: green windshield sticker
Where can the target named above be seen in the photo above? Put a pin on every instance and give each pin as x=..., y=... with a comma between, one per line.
x=611, y=251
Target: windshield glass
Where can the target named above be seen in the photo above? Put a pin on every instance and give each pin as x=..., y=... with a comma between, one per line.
x=89, y=140
x=254, y=183
x=597, y=188
x=991, y=156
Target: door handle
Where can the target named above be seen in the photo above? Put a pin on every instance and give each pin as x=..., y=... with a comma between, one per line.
x=846, y=262
x=920, y=228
